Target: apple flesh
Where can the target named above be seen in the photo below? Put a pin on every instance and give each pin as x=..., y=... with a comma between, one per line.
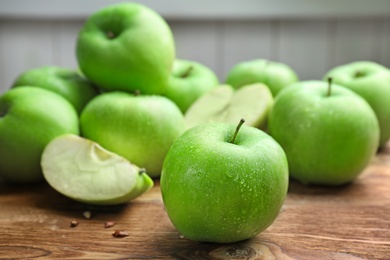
x=372, y=82
x=126, y=47
x=30, y=118
x=274, y=75
x=139, y=128
x=84, y=171
x=225, y=104
x=66, y=82
x=189, y=81
x=223, y=191
x=329, y=134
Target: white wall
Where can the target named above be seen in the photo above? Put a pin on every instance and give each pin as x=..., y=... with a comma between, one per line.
x=311, y=45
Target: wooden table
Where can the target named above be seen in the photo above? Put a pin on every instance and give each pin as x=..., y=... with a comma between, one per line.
x=349, y=222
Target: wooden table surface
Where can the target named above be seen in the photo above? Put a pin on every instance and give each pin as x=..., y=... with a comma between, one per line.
x=349, y=222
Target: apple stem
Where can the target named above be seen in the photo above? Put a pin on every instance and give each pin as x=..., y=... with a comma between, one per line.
x=329, y=87
x=187, y=72
x=242, y=121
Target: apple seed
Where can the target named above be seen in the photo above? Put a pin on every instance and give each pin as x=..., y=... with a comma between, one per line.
x=74, y=223
x=109, y=224
x=119, y=233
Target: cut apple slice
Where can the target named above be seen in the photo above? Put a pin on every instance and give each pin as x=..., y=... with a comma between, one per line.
x=224, y=104
x=84, y=171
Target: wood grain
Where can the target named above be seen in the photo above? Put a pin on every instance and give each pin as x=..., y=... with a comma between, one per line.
x=348, y=222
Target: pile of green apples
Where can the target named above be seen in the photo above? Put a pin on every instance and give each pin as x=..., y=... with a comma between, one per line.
x=223, y=152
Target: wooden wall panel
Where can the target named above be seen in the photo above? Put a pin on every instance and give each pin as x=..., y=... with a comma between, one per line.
x=25, y=45
x=197, y=41
x=355, y=40
x=64, y=43
x=305, y=47
x=243, y=41
x=385, y=46
x=310, y=46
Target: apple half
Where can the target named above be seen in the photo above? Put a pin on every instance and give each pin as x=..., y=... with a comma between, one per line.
x=227, y=105
x=84, y=171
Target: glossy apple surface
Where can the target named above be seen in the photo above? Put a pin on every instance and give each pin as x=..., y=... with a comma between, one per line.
x=139, y=128
x=66, y=82
x=372, y=82
x=126, y=46
x=84, y=171
x=30, y=118
x=328, y=139
x=189, y=81
x=218, y=191
x=273, y=74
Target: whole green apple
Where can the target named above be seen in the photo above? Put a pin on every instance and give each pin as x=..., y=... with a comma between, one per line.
x=63, y=81
x=30, y=118
x=189, y=81
x=127, y=47
x=328, y=132
x=223, y=184
x=84, y=171
x=273, y=74
x=372, y=82
x=139, y=128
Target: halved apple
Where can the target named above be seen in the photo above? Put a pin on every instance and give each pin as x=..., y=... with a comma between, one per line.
x=224, y=104
x=84, y=171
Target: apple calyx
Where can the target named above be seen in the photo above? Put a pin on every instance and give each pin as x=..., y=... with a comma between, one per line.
x=187, y=72
x=330, y=80
x=242, y=121
x=359, y=74
x=110, y=35
x=3, y=112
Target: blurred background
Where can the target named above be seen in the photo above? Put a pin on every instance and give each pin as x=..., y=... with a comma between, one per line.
x=310, y=36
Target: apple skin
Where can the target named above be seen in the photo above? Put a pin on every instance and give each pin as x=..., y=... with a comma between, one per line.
x=126, y=47
x=139, y=128
x=372, y=82
x=216, y=191
x=328, y=140
x=189, y=81
x=30, y=118
x=273, y=74
x=63, y=81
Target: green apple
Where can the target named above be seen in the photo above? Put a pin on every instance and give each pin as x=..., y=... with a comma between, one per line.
x=225, y=104
x=223, y=184
x=372, y=82
x=139, y=128
x=273, y=74
x=189, y=81
x=84, y=171
x=328, y=132
x=30, y=118
x=127, y=47
x=63, y=81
